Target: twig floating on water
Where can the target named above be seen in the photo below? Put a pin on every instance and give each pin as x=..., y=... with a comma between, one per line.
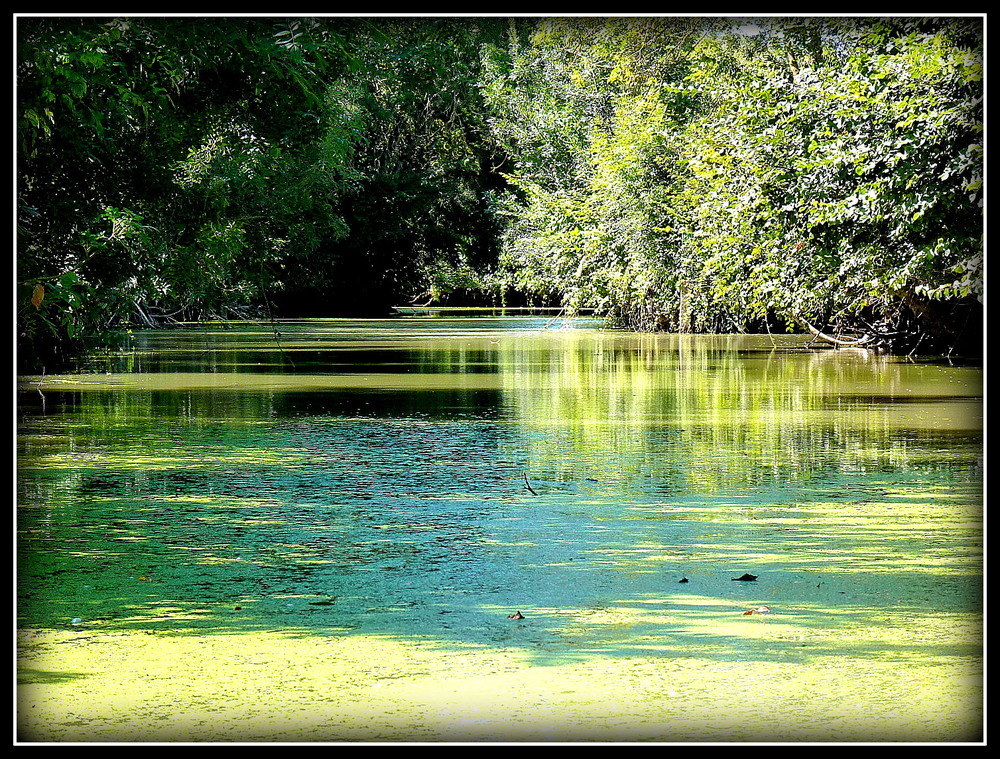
x=528, y=485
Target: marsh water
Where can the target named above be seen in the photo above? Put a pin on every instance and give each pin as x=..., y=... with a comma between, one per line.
x=401, y=486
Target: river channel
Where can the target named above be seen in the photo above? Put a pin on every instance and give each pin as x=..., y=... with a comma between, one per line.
x=498, y=529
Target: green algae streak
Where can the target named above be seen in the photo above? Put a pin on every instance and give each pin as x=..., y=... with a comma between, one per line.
x=316, y=532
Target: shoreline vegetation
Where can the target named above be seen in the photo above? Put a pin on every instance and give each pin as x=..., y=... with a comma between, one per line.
x=814, y=175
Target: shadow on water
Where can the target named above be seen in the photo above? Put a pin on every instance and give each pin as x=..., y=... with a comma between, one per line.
x=426, y=481
x=29, y=676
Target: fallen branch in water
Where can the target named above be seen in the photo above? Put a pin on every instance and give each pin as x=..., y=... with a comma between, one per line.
x=854, y=342
x=528, y=485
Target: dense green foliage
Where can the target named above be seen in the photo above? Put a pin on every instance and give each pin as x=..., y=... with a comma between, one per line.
x=681, y=174
x=191, y=167
x=688, y=175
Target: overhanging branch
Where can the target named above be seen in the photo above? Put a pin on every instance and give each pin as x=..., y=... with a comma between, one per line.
x=853, y=342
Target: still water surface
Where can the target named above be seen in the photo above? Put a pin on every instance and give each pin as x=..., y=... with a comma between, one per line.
x=416, y=480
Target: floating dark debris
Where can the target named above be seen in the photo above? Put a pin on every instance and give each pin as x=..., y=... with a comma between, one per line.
x=515, y=615
x=684, y=579
x=745, y=578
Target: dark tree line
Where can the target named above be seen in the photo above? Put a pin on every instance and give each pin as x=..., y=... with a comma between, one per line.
x=679, y=174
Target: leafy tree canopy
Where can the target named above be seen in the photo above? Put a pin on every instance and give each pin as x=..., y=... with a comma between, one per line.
x=706, y=174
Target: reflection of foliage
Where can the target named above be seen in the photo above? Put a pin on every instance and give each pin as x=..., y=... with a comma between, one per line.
x=649, y=453
x=705, y=414
x=643, y=410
